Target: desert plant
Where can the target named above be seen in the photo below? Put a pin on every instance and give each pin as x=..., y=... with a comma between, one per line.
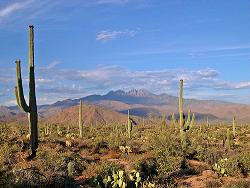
x=184, y=127
x=227, y=142
x=207, y=122
x=173, y=120
x=129, y=126
x=31, y=109
x=80, y=120
x=234, y=129
x=164, y=123
x=125, y=149
x=193, y=120
x=220, y=168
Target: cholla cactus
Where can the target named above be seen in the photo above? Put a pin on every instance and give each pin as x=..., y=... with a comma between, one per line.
x=31, y=109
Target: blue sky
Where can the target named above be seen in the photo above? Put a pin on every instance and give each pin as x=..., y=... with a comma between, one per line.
x=87, y=47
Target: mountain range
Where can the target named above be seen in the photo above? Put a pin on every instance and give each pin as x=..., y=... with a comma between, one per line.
x=143, y=103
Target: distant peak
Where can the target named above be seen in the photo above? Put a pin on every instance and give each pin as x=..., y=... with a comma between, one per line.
x=139, y=93
x=117, y=92
x=132, y=92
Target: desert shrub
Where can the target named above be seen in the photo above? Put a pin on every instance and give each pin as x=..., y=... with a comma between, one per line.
x=103, y=170
x=213, y=183
x=147, y=168
x=30, y=177
x=7, y=154
x=209, y=154
x=243, y=160
x=167, y=165
x=239, y=184
x=236, y=165
x=106, y=168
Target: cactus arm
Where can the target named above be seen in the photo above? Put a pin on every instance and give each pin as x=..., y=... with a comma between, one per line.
x=20, y=96
x=17, y=97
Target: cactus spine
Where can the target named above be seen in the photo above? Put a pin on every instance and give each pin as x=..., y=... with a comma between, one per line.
x=31, y=109
x=129, y=126
x=234, y=129
x=80, y=120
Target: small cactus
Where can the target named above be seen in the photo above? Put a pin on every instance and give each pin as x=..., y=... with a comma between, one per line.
x=70, y=169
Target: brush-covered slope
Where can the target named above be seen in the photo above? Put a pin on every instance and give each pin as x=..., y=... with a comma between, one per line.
x=6, y=113
x=92, y=115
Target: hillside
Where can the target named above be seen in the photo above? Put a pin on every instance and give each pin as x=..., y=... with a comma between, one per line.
x=92, y=115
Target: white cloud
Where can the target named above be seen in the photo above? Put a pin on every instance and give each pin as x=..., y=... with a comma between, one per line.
x=56, y=83
x=13, y=7
x=109, y=35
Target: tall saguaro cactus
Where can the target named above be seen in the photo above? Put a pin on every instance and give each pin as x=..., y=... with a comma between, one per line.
x=80, y=120
x=129, y=126
x=31, y=109
x=181, y=104
x=234, y=129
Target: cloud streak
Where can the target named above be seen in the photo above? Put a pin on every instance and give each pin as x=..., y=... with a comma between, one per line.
x=11, y=8
x=106, y=35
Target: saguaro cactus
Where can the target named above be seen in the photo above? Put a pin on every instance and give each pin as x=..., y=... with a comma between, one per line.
x=31, y=109
x=173, y=120
x=129, y=126
x=80, y=120
x=181, y=104
x=192, y=121
x=207, y=123
x=234, y=129
x=189, y=117
x=227, y=144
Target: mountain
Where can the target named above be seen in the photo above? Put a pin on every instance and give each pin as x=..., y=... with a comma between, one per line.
x=6, y=113
x=92, y=115
x=144, y=103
